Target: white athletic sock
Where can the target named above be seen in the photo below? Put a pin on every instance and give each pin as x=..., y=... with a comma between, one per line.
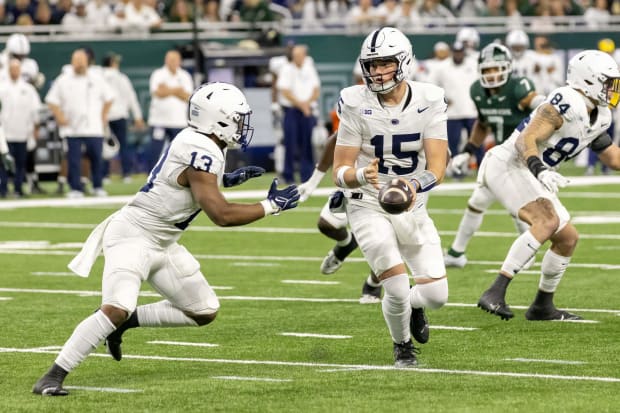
x=372, y=282
x=163, y=314
x=396, y=307
x=346, y=240
x=521, y=251
x=431, y=295
x=552, y=269
x=85, y=338
x=520, y=226
x=470, y=223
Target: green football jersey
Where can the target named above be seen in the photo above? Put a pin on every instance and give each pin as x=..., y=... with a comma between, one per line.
x=501, y=111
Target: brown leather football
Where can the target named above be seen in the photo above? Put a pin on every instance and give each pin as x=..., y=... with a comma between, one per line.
x=395, y=196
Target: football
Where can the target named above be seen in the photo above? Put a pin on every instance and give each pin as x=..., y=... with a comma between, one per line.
x=395, y=196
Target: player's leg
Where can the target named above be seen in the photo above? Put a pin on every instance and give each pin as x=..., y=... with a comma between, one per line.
x=126, y=265
x=371, y=289
x=158, y=135
x=424, y=257
x=553, y=266
x=479, y=201
x=74, y=158
x=334, y=225
x=377, y=240
x=522, y=195
x=94, y=150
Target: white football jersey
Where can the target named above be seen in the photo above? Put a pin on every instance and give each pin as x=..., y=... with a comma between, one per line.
x=394, y=135
x=163, y=208
x=575, y=134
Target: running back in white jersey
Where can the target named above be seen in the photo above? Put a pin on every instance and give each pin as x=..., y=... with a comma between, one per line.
x=394, y=135
x=163, y=207
x=576, y=132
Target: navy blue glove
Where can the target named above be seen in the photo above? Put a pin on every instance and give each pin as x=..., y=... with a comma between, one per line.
x=239, y=176
x=282, y=199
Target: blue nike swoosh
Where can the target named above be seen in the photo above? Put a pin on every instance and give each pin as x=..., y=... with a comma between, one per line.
x=423, y=109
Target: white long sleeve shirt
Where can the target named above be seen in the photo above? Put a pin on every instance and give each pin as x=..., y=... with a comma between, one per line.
x=125, y=99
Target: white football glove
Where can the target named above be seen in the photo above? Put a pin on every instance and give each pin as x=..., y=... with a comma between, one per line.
x=459, y=164
x=307, y=188
x=552, y=180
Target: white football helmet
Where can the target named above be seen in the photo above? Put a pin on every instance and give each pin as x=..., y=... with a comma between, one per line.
x=221, y=109
x=596, y=75
x=469, y=36
x=386, y=44
x=496, y=56
x=18, y=45
x=518, y=42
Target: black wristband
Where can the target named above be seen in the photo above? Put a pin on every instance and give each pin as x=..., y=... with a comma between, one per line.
x=470, y=148
x=535, y=165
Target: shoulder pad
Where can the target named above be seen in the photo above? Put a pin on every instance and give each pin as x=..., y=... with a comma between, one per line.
x=353, y=95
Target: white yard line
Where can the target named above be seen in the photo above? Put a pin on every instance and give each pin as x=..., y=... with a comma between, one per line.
x=103, y=389
x=183, y=343
x=339, y=367
x=310, y=282
x=311, y=335
x=267, y=379
x=433, y=327
x=289, y=299
x=5, y=298
x=255, y=264
x=52, y=274
x=522, y=360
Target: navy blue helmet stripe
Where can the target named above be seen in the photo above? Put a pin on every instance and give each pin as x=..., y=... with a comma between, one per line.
x=374, y=40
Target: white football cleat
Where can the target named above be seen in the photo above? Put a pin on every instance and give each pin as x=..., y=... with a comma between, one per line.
x=330, y=263
x=458, y=262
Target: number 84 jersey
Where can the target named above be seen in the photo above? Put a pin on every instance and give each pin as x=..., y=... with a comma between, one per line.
x=576, y=132
x=394, y=135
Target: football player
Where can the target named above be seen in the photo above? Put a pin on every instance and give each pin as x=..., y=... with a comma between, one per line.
x=393, y=127
x=521, y=174
x=502, y=100
x=139, y=242
x=333, y=224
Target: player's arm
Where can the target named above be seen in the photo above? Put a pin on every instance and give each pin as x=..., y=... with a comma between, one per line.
x=436, y=153
x=206, y=192
x=546, y=121
x=345, y=175
x=327, y=159
x=531, y=101
x=540, y=128
x=607, y=152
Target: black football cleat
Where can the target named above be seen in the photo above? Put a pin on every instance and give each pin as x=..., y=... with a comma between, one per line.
x=550, y=314
x=51, y=383
x=494, y=303
x=418, y=323
x=405, y=355
x=370, y=294
x=113, y=345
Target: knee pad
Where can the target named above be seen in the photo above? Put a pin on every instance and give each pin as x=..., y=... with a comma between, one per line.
x=431, y=295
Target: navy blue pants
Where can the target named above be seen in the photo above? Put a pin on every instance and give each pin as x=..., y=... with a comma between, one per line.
x=119, y=129
x=93, y=147
x=157, y=145
x=19, y=153
x=297, y=144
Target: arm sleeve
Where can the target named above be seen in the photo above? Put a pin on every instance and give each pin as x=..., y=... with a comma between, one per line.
x=349, y=130
x=437, y=128
x=53, y=96
x=130, y=93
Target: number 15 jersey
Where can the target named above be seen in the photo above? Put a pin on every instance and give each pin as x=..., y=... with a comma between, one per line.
x=394, y=135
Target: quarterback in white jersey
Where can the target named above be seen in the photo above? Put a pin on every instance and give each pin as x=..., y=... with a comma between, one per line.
x=139, y=242
x=392, y=127
x=521, y=173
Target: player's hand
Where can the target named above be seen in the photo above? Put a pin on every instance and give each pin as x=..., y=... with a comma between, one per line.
x=239, y=176
x=552, y=180
x=8, y=162
x=371, y=173
x=459, y=164
x=283, y=199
